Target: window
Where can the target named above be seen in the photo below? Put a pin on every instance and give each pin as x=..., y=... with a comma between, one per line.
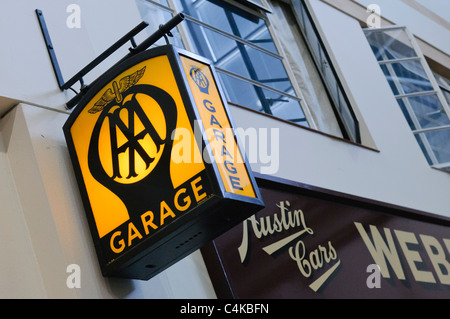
x=343, y=110
x=419, y=96
x=273, y=77
x=444, y=85
x=240, y=45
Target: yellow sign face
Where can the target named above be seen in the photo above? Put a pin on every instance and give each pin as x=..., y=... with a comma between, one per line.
x=157, y=162
x=220, y=134
x=123, y=139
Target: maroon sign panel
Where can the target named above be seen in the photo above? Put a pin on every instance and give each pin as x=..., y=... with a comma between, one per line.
x=314, y=243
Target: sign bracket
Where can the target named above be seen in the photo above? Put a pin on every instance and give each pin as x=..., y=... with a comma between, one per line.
x=163, y=31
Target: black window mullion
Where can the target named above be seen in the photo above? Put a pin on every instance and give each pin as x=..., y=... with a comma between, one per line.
x=248, y=62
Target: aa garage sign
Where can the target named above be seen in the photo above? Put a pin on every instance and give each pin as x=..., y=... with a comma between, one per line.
x=158, y=165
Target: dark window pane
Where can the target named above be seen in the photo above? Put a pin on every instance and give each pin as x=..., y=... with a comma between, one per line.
x=406, y=77
x=245, y=48
x=425, y=111
x=263, y=100
x=436, y=144
x=269, y=70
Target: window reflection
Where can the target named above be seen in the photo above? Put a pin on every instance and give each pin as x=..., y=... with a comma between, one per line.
x=240, y=45
x=418, y=94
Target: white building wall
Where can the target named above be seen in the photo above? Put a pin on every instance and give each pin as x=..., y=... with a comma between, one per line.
x=42, y=222
x=19, y=275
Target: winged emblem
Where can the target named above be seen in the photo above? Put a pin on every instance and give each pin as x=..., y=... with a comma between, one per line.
x=117, y=90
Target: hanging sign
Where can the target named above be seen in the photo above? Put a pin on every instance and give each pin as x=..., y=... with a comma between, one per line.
x=158, y=165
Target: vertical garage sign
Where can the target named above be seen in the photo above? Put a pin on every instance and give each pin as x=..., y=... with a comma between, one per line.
x=219, y=132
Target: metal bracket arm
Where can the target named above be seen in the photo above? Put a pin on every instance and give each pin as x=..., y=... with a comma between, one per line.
x=50, y=49
x=79, y=76
x=163, y=31
x=152, y=39
x=128, y=37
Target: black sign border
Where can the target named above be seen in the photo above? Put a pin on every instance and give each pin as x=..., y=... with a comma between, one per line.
x=220, y=197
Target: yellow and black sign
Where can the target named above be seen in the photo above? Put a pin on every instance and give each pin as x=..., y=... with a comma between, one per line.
x=158, y=165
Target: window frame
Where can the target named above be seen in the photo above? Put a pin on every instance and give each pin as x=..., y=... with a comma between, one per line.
x=436, y=90
x=261, y=14
x=444, y=88
x=254, y=3
x=297, y=95
x=327, y=62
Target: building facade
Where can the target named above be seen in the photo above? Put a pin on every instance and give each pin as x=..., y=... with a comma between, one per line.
x=350, y=96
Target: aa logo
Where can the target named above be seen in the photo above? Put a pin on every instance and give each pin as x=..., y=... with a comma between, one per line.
x=127, y=146
x=200, y=79
x=123, y=138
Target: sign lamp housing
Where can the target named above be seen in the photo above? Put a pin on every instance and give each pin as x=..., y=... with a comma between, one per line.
x=158, y=165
